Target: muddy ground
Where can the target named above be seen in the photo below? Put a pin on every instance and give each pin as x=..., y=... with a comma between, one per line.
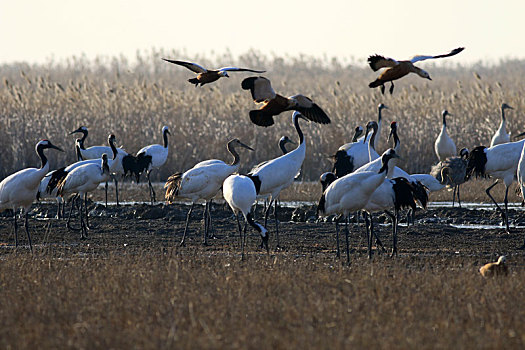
x=134, y=228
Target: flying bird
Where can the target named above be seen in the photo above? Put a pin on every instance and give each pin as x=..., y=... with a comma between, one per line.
x=274, y=104
x=206, y=76
x=398, y=69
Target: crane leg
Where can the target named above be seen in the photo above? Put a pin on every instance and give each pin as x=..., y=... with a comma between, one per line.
x=347, y=242
x=243, y=239
x=267, y=212
x=106, y=193
x=238, y=226
x=116, y=188
x=68, y=223
x=503, y=213
x=205, y=222
x=459, y=199
x=183, y=241
x=391, y=90
x=338, y=251
x=275, y=205
x=369, y=230
x=83, y=233
x=16, y=228
x=383, y=89
x=151, y=189
x=507, y=210
x=86, y=211
x=26, y=224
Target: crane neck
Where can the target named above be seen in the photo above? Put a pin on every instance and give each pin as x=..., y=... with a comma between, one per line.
x=113, y=148
x=502, y=114
x=43, y=158
x=444, y=120
x=165, y=137
x=396, y=140
x=282, y=147
x=299, y=132
x=81, y=142
x=78, y=152
x=233, y=152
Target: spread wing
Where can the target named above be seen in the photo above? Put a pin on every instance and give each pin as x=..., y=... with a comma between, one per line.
x=310, y=110
x=260, y=87
x=377, y=62
x=194, y=67
x=422, y=58
x=235, y=69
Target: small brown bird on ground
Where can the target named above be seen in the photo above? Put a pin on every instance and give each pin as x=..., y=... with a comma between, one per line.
x=498, y=268
x=206, y=76
x=398, y=69
x=274, y=104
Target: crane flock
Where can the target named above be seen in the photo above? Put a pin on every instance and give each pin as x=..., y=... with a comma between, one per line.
x=361, y=179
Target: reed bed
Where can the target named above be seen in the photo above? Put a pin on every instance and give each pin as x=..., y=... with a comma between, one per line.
x=134, y=101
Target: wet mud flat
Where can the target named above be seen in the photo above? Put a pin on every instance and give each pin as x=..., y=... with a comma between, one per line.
x=139, y=227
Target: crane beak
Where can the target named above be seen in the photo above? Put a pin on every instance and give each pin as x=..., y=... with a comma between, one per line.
x=291, y=142
x=55, y=147
x=246, y=146
x=520, y=135
x=429, y=78
x=74, y=132
x=168, y=132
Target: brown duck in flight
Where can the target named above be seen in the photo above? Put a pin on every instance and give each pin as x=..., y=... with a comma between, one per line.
x=274, y=104
x=205, y=76
x=398, y=69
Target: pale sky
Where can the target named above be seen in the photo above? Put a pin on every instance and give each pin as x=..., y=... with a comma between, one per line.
x=35, y=30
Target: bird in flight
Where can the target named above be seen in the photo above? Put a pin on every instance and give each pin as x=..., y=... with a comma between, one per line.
x=205, y=76
x=274, y=104
x=398, y=69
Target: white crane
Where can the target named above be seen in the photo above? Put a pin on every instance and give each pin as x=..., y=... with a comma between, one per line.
x=380, y=107
x=155, y=155
x=444, y=146
x=501, y=135
x=82, y=180
x=240, y=193
x=203, y=181
x=19, y=190
x=351, y=156
x=500, y=161
x=95, y=152
x=352, y=192
x=279, y=173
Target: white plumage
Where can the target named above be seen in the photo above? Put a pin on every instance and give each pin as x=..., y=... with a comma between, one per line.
x=157, y=156
x=19, y=190
x=501, y=135
x=444, y=146
x=351, y=156
x=279, y=173
x=240, y=193
x=500, y=161
x=82, y=180
x=352, y=192
x=203, y=181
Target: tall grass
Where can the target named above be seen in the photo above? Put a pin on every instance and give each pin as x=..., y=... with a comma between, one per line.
x=134, y=101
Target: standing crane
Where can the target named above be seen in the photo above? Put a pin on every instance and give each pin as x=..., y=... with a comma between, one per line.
x=352, y=192
x=279, y=173
x=240, y=193
x=501, y=135
x=203, y=181
x=82, y=180
x=444, y=146
x=19, y=190
x=155, y=156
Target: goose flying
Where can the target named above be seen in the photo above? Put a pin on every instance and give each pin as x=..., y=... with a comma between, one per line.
x=398, y=69
x=206, y=76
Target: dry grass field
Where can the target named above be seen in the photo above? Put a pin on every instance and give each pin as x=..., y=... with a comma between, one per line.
x=130, y=285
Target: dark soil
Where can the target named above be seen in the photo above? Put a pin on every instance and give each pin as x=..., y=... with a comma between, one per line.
x=135, y=228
